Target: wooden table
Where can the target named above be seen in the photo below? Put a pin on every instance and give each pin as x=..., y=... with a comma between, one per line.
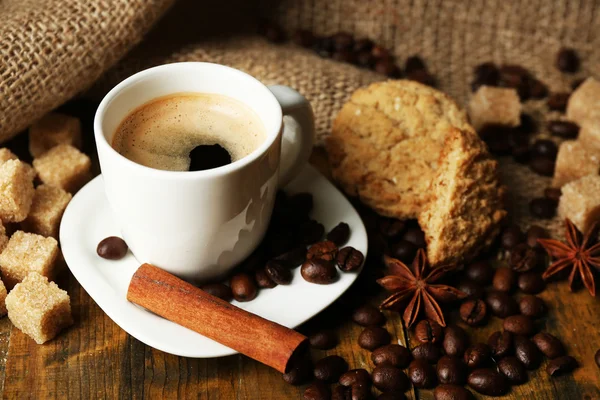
x=97, y=359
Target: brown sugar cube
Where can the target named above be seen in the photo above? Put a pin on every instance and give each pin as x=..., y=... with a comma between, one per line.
x=16, y=190
x=3, y=293
x=39, y=308
x=3, y=237
x=51, y=130
x=49, y=203
x=580, y=201
x=574, y=161
x=25, y=253
x=584, y=102
x=495, y=106
x=6, y=154
x=63, y=166
x=589, y=134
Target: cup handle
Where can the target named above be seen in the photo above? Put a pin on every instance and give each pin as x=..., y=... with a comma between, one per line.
x=298, y=132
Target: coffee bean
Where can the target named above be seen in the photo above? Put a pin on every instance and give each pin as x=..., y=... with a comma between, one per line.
x=341, y=393
x=390, y=227
x=597, y=358
x=576, y=83
x=310, y=232
x=342, y=41
x=300, y=372
x=303, y=37
x=263, y=280
x=389, y=379
x=301, y=203
x=392, y=354
x=368, y=315
x=511, y=236
x=422, y=76
x=521, y=154
x=422, y=374
x=563, y=129
x=487, y=74
x=504, y=279
x=567, y=60
x=477, y=355
x=293, y=258
x=501, y=304
x=532, y=306
x=318, y=271
x=451, y=392
x=531, y=283
x=373, y=337
x=501, y=344
x=323, y=340
x=473, y=312
x=428, y=352
x=558, y=101
x=365, y=59
x=404, y=251
x=340, y=234
x=345, y=56
x=387, y=67
x=544, y=148
x=363, y=44
x=513, y=370
x=427, y=331
x=112, y=248
x=323, y=46
x=489, y=382
x=549, y=344
x=543, y=208
x=355, y=376
x=537, y=89
x=523, y=258
x=512, y=74
x=472, y=289
x=349, y=259
x=326, y=250
x=496, y=139
x=455, y=341
x=451, y=370
x=243, y=287
x=219, y=290
x=330, y=368
x=416, y=236
x=480, y=272
x=527, y=352
x=561, y=365
x=317, y=391
x=278, y=272
x=519, y=325
x=414, y=63
x=392, y=396
x=542, y=165
x=360, y=391
x=534, y=233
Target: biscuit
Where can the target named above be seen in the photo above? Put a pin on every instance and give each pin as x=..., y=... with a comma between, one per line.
x=386, y=141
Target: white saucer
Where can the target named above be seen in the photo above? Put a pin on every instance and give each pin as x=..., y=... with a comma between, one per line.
x=88, y=219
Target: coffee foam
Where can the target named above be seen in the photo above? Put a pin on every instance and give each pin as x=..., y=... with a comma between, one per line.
x=161, y=133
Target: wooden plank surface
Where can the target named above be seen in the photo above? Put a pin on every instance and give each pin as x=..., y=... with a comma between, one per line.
x=97, y=359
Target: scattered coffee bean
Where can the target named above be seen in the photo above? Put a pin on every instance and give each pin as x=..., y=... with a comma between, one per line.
x=537, y=89
x=317, y=391
x=563, y=129
x=414, y=63
x=504, y=279
x=428, y=352
x=532, y=306
x=112, y=248
x=360, y=391
x=243, y=287
x=544, y=148
x=536, y=232
x=404, y=251
x=511, y=236
x=387, y=67
x=512, y=75
x=553, y=193
x=422, y=76
x=543, y=208
x=310, y=232
x=489, y=382
x=219, y=290
x=301, y=203
x=368, y=315
x=523, y=258
x=278, y=272
x=531, y=282
x=344, y=56
x=561, y=365
x=519, y=325
x=323, y=340
x=365, y=59
x=527, y=352
x=326, y=250
x=349, y=259
x=501, y=344
x=391, y=354
x=513, y=370
x=263, y=280
x=330, y=368
x=477, y=355
x=567, y=60
x=501, y=304
x=318, y=271
x=521, y=154
x=485, y=74
x=392, y=396
x=473, y=312
x=558, y=101
x=300, y=372
x=451, y=370
x=549, y=344
x=391, y=228
x=340, y=234
x=341, y=393
x=451, y=392
x=542, y=165
x=373, y=337
x=363, y=44
x=304, y=38
x=455, y=341
x=389, y=379
x=576, y=83
x=480, y=272
x=597, y=358
x=294, y=257
x=472, y=289
x=342, y=41
x=416, y=236
x=355, y=376
x=427, y=331
x=422, y=374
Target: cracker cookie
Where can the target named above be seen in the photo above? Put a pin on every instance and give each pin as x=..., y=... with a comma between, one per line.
x=465, y=215
x=386, y=141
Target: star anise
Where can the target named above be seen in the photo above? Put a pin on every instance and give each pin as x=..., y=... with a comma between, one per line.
x=579, y=253
x=417, y=282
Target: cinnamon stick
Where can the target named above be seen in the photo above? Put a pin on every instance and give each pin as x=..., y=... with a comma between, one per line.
x=178, y=301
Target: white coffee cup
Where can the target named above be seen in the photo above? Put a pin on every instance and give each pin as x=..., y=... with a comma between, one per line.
x=198, y=225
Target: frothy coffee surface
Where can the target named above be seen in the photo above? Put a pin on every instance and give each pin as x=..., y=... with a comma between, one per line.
x=161, y=133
